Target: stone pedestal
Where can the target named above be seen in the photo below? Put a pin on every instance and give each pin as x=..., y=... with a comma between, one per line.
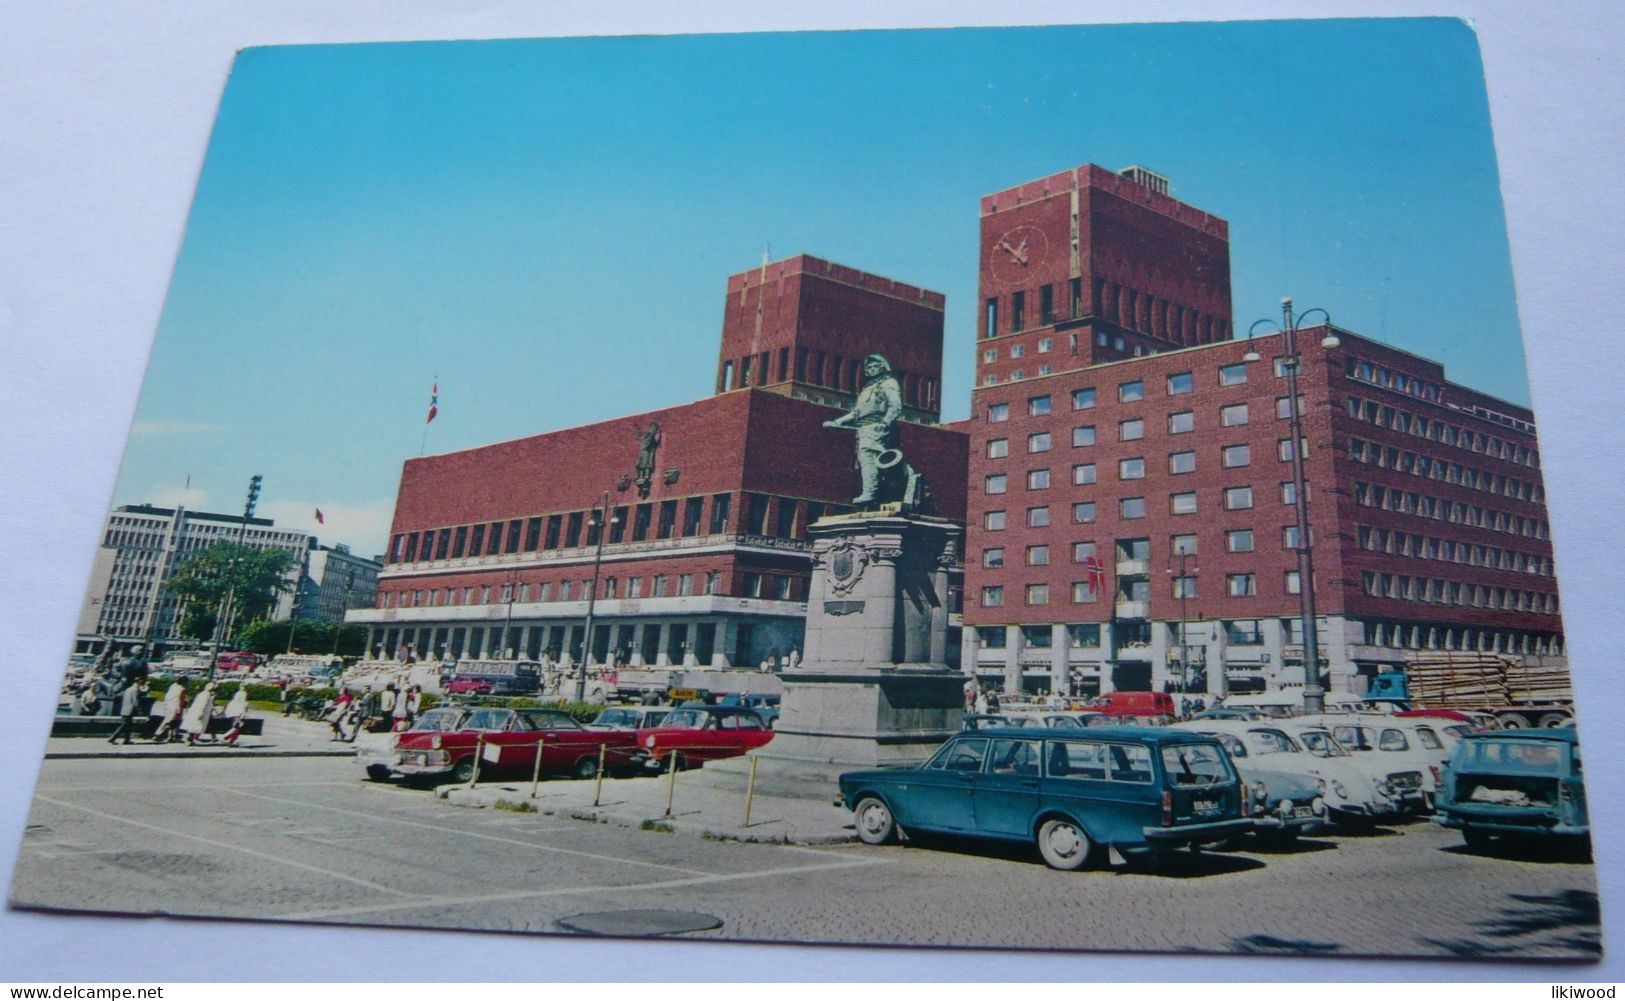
x=875, y=687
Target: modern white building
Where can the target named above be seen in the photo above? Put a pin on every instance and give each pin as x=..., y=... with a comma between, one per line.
x=335, y=581
x=142, y=546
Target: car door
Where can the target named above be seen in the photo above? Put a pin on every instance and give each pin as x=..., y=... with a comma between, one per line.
x=941, y=795
x=1006, y=796
x=1106, y=785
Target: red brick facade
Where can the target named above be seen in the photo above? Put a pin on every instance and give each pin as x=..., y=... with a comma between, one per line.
x=802, y=327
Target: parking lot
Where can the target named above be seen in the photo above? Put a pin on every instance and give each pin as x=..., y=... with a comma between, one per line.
x=304, y=839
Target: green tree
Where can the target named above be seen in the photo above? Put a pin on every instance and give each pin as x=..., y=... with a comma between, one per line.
x=271, y=638
x=254, y=577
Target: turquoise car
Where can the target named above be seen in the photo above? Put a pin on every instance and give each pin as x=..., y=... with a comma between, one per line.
x=1075, y=793
x=1515, y=783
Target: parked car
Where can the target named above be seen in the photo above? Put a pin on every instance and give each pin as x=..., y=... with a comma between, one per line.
x=1286, y=795
x=444, y=742
x=1138, y=790
x=991, y=721
x=703, y=733
x=629, y=718
x=1403, y=746
x=1520, y=783
x=766, y=706
x=1372, y=793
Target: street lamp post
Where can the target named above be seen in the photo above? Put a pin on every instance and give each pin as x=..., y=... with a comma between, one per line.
x=223, y=613
x=601, y=520
x=1313, y=694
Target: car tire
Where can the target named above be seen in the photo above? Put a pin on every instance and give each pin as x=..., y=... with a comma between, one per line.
x=377, y=773
x=462, y=773
x=586, y=768
x=1476, y=840
x=1278, y=838
x=1512, y=721
x=1552, y=721
x=874, y=821
x=1064, y=844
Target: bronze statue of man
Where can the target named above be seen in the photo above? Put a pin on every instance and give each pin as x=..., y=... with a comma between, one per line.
x=874, y=417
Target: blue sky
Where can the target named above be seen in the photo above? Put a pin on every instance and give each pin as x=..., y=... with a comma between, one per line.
x=546, y=225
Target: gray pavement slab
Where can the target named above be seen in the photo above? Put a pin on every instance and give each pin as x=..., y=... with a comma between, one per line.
x=280, y=737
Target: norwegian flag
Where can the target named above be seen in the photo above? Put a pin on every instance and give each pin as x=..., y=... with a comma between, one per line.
x=1097, y=574
x=319, y=519
x=434, y=402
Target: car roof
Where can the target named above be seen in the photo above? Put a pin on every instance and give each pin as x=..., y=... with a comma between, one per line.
x=1226, y=725
x=1562, y=734
x=1147, y=734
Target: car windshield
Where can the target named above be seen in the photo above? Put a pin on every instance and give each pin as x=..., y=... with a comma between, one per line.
x=439, y=720
x=1194, y=764
x=1543, y=757
x=1267, y=741
x=616, y=717
x=685, y=719
x=547, y=721
x=1322, y=744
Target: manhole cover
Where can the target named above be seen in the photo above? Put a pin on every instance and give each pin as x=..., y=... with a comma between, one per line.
x=640, y=923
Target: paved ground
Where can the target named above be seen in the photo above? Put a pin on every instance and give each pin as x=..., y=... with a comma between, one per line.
x=304, y=839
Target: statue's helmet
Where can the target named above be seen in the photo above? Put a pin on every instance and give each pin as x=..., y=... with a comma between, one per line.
x=881, y=362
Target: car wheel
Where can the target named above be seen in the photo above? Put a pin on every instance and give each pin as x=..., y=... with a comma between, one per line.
x=1278, y=838
x=1476, y=840
x=874, y=821
x=586, y=768
x=1552, y=721
x=1064, y=844
x=1512, y=721
x=463, y=772
x=377, y=773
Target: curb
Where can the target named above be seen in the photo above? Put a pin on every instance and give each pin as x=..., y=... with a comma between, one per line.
x=193, y=753
x=666, y=825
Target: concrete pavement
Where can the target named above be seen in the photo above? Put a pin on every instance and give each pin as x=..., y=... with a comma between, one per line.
x=281, y=737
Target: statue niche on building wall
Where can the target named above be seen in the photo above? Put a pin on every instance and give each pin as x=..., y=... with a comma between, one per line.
x=648, y=445
x=885, y=477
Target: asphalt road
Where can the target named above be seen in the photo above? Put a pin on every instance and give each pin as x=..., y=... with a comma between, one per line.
x=306, y=840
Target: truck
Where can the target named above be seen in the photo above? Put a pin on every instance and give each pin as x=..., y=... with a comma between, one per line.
x=1519, y=695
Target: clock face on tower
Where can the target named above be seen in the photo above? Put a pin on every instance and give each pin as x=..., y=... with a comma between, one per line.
x=1018, y=255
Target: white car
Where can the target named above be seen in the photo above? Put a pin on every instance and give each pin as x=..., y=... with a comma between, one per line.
x=1411, y=759
x=1369, y=793
x=1349, y=792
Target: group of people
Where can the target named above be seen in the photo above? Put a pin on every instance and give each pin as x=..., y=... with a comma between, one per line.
x=393, y=707
x=177, y=716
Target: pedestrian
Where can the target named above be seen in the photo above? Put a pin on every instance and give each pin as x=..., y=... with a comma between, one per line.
x=980, y=703
x=169, y=720
x=970, y=696
x=401, y=711
x=992, y=702
x=337, y=713
x=369, y=705
x=198, y=715
x=236, y=711
x=1185, y=707
x=129, y=701
x=89, y=702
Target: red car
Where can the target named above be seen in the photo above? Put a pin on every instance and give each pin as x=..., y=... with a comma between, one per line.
x=703, y=733
x=470, y=686
x=442, y=745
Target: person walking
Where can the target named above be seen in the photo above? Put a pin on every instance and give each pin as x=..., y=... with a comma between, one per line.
x=170, y=713
x=236, y=711
x=338, y=714
x=198, y=715
x=129, y=701
x=406, y=708
x=388, y=701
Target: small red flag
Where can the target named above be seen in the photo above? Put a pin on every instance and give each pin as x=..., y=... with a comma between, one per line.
x=434, y=402
x=319, y=519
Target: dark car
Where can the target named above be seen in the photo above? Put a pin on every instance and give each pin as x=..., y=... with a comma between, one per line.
x=1515, y=783
x=1139, y=790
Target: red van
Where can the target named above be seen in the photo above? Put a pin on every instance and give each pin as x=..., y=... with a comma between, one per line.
x=1136, y=703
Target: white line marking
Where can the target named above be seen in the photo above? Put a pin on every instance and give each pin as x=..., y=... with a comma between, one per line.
x=571, y=890
x=464, y=833
x=222, y=844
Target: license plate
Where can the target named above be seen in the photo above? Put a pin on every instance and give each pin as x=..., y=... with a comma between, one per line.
x=1204, y=807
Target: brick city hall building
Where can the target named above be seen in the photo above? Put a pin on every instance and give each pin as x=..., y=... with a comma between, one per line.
x=1131, y=487
x=707, y=558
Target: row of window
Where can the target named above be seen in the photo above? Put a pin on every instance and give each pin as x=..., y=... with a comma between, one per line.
x=1131, y=391
x=1426, y=547
x=750, y=585
x=1237, y=585
x=1406, y=461
x=832, y=371
x=1133, y=429
x=1414, y=636
x=1127, y=307
x=1441, y=509
x=1084, y=512
x=1433, y=429
x=1378, y=375
x=1133, y=468
x=1449, y=592
x=1236, y=540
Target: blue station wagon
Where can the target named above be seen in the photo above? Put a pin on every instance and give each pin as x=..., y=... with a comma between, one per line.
x=1076, y=793
x=1521, y=783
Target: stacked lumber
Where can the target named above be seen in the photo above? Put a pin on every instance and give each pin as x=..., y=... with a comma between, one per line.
x=1484, y=681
